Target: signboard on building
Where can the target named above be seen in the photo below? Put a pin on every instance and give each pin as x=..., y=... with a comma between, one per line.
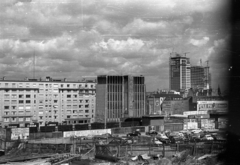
x=199, y=116
x=194, y=112
x=19, y=133
x=166, y=107
x=208, y=123
x=89, y=133
x=212, y=105
x=158, y=105
x=190, y=124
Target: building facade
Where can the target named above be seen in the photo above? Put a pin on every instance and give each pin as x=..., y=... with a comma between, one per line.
x=180, y=73
x=197, y=77
x=119, y=97
x=200, y=77
x=155, y=102
x=51, y=100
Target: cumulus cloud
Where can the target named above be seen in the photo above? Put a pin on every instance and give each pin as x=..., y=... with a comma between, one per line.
x=200, y=42
x=72, y=38
x=119, y=45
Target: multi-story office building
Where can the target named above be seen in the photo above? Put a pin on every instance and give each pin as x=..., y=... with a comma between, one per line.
x=197, y=77
x=52, y=100
x=200, y=77
x=180, y=73
x=207, y=78
x=119, y=96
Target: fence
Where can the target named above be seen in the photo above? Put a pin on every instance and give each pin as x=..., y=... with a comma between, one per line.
x=42, y=135
x=153, y=149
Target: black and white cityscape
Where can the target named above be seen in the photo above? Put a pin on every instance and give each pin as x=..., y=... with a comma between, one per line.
x=114, y=82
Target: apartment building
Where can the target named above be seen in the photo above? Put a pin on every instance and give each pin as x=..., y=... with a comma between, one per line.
x=49, y=100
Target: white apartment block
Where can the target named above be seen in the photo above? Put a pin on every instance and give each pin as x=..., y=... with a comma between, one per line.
x=51, y=100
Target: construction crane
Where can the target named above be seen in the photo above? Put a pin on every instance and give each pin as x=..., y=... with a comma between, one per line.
x=186, y=53
x=207, y=62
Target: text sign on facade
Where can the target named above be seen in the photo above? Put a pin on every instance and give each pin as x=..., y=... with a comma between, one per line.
x=86, y=133
x=212, y=105
x=19, y=133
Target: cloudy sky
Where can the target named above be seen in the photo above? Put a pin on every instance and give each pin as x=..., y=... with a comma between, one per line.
x=74, y=38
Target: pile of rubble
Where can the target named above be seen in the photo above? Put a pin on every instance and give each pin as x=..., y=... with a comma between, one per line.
x=181, y=158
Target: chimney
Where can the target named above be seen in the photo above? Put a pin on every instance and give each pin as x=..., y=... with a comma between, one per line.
x=65, y=79
x=3, y=78
x=48, y=78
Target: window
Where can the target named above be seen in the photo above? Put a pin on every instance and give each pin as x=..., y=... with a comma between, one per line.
x=27, y=119
x=14, y=119
x=6, y=119
x=28, y=96
x=55, y=85
x=6, y=84
x=14, y=107
x=20, y=96
x=20, y=119
x=27, y=85
x=6, y=101
x=55, y=101
x=20, y=101
x=68, y=85
x=86, y=111
x=28, y=101
x=6, y=113
x=68, y=116
x=87, y=106
x=14, y=96
x=61, y=85
x=68, y=96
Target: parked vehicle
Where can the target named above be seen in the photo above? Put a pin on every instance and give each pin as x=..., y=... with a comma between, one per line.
x=163, y=138
x=152, y=132
x=175, y=139
x=219, y=137
x=157, y=141
x=207, y=138
x=136, y=133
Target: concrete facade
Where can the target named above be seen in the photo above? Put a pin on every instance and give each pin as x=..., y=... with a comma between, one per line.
x=119, y=97
x=180, y=73
x=51, y=100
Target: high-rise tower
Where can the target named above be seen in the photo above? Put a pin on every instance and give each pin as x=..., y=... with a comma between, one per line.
x=180, y=73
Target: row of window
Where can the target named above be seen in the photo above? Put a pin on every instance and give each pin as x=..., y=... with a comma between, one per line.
x=34, y=85
x=15, y=119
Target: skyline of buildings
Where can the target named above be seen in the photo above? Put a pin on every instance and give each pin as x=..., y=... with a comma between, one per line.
x=108, y=98
x=183, y=75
